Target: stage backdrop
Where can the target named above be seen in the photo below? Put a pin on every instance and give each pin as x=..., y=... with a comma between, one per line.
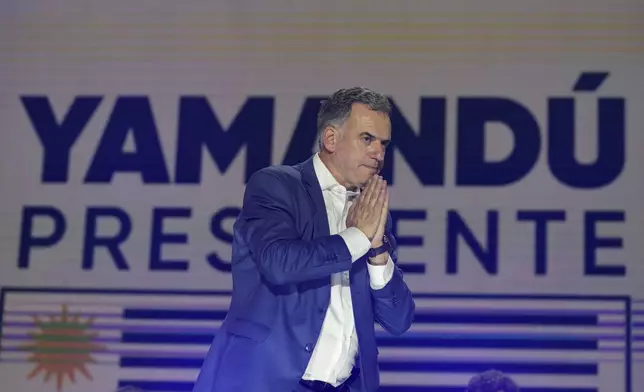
x=129, y=130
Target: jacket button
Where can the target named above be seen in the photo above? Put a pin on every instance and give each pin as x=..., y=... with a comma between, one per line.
x=308, y=347
x=321, y=310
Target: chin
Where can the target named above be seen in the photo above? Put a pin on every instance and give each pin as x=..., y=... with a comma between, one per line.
x=362, y=183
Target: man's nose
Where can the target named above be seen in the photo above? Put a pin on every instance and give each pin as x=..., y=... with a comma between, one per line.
x=378, y=151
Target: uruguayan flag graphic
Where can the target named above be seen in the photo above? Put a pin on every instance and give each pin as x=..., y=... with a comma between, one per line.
x=101, y=340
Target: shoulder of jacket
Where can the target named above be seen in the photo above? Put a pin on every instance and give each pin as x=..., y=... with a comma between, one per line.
x=285, y=173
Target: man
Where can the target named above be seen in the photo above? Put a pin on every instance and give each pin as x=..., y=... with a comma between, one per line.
x=313, y=265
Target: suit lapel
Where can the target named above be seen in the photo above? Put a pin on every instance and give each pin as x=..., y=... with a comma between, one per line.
x=321, y=223
x=312, y=186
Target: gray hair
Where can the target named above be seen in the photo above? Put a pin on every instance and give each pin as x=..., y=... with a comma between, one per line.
x=336, y=110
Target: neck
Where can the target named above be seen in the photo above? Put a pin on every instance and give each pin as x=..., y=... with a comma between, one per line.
x=327, y=159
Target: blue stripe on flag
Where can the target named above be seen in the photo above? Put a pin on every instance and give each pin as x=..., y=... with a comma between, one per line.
x=516, y=319
x=157, y=386
x=166, y=338
x=545, y=344
x=160, y=362
x=479, y=367
x=179, y=386
x=526, y=318
x=173, y=314
x=398, y=366
x=385, y=341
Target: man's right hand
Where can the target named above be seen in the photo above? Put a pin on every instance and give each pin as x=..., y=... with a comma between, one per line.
x=366, y=210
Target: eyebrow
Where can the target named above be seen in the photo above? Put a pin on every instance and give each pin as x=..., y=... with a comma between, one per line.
x=385, y=142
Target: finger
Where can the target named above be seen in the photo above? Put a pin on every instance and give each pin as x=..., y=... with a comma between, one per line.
x=368, y=191
x=376, y=201
x=381, y=195
x=363, y=191
x=352, y=210
x=383, y=214
x=385, y=205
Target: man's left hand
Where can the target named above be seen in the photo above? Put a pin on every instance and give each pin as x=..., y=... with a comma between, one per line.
x=380, y=233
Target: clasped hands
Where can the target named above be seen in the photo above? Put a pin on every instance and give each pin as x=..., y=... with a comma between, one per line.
x=369, y=211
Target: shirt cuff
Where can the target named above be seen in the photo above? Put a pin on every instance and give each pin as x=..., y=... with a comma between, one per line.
x=380, y=275
x=356, y=241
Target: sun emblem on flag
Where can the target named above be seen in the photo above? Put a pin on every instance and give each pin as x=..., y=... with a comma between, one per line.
x=61, y=347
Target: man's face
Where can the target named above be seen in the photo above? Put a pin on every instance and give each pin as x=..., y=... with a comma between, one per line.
x=360, y=148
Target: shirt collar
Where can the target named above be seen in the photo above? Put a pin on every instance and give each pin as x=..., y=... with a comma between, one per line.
x=326, y=179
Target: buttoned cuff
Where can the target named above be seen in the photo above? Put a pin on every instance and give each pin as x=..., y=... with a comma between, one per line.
x=356, y=241
x=380, y=275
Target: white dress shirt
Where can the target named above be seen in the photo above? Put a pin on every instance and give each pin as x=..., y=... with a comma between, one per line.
x=333, y=357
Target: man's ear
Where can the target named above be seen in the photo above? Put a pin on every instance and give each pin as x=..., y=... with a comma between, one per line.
x=330, y=138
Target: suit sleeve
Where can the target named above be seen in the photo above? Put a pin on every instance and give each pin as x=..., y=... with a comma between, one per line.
x=267, y=226
x=393, y=304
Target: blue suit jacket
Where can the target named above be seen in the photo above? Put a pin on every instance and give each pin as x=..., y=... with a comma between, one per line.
x=282, y=261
